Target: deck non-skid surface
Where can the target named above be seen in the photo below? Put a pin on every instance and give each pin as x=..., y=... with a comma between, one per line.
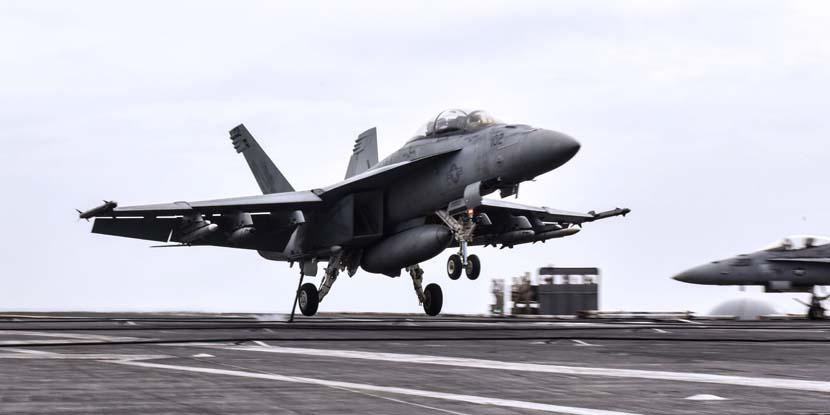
x=242, y=364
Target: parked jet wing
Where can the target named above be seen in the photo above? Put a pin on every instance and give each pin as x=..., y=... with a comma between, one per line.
x=545, y=214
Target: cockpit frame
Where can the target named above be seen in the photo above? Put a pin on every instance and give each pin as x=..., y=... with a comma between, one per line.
x=454, y=121
x=798, y=242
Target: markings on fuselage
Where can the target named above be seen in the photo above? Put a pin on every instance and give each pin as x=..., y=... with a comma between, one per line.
x=758, y=382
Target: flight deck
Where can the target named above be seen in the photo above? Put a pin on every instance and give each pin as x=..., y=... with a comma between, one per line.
x=332, y=364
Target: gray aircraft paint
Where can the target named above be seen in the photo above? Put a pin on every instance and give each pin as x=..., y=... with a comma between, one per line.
x=779, y=268
x=776, y=269
x=385, y=217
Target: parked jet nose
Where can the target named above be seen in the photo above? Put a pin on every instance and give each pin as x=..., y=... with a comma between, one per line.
x=545, y=150
x=703, y=274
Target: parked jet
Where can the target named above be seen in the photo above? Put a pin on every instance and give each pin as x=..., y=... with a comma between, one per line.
x=386, y=215
x=796, y=264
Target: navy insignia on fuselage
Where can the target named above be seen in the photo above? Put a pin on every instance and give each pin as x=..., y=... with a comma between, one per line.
x=454, y=174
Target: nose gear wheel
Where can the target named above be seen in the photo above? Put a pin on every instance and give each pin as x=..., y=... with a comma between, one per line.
x=454, y=266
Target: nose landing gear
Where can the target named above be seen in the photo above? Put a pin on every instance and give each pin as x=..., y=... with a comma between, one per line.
x=473, y=267
x=455, y=264
x=463, y=232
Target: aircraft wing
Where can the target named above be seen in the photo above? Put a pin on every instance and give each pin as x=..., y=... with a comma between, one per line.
x=802, y=260
x=250, y=204
x=165, y=222
x=515, y=224
x=545, y=214
x=271, y=233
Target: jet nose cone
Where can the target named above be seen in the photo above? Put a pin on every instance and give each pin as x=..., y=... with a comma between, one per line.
x=545, y=150
x=704, y=274
x=684, y=276
x=569, y=146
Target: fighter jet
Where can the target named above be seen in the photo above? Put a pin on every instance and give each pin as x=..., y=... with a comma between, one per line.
x=386, y=216
x=795, y=264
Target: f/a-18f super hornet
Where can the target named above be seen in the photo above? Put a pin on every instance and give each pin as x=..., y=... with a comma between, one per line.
x=386, y=215
x=796, y=264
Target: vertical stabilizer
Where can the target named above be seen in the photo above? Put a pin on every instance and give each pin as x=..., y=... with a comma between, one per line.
x=365, y=154
x=267, y=175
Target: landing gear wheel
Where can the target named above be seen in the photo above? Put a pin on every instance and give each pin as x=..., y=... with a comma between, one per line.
x=433, y=299
x=473, y=268
x=815, y=313
x=308, y=299
x=454, y=266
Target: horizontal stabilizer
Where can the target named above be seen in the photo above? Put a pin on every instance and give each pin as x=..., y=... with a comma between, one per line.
x=267, y=175
x=365, y=153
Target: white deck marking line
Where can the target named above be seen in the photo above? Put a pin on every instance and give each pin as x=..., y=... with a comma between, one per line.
x=40, y=354
x=660, y=331
x=583, y=343
x=419, y=405
x=683, y=320
x=261, y=343
x=66, y=335
x=705, y=397
x=481, y=400
x=758, y=382
x=36, y=316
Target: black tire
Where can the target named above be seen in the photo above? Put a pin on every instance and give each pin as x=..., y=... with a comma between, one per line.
x=815, y=313
x=433, y=299
x=454, y=267
x=308, y=299
x=473, y=268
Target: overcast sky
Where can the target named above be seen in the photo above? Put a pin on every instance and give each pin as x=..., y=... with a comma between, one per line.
x=708, y=119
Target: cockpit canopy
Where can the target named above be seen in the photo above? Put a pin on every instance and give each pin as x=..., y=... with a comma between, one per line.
x=454, y=121
x=796, y=242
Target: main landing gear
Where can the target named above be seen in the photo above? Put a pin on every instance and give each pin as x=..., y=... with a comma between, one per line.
x=309, y=297
x=431, y=297
x=816, y=309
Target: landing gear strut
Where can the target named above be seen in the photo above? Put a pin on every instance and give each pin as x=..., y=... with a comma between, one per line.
x=309, y=297
x=816, y=310
x=463, y=232
x=432, y=298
